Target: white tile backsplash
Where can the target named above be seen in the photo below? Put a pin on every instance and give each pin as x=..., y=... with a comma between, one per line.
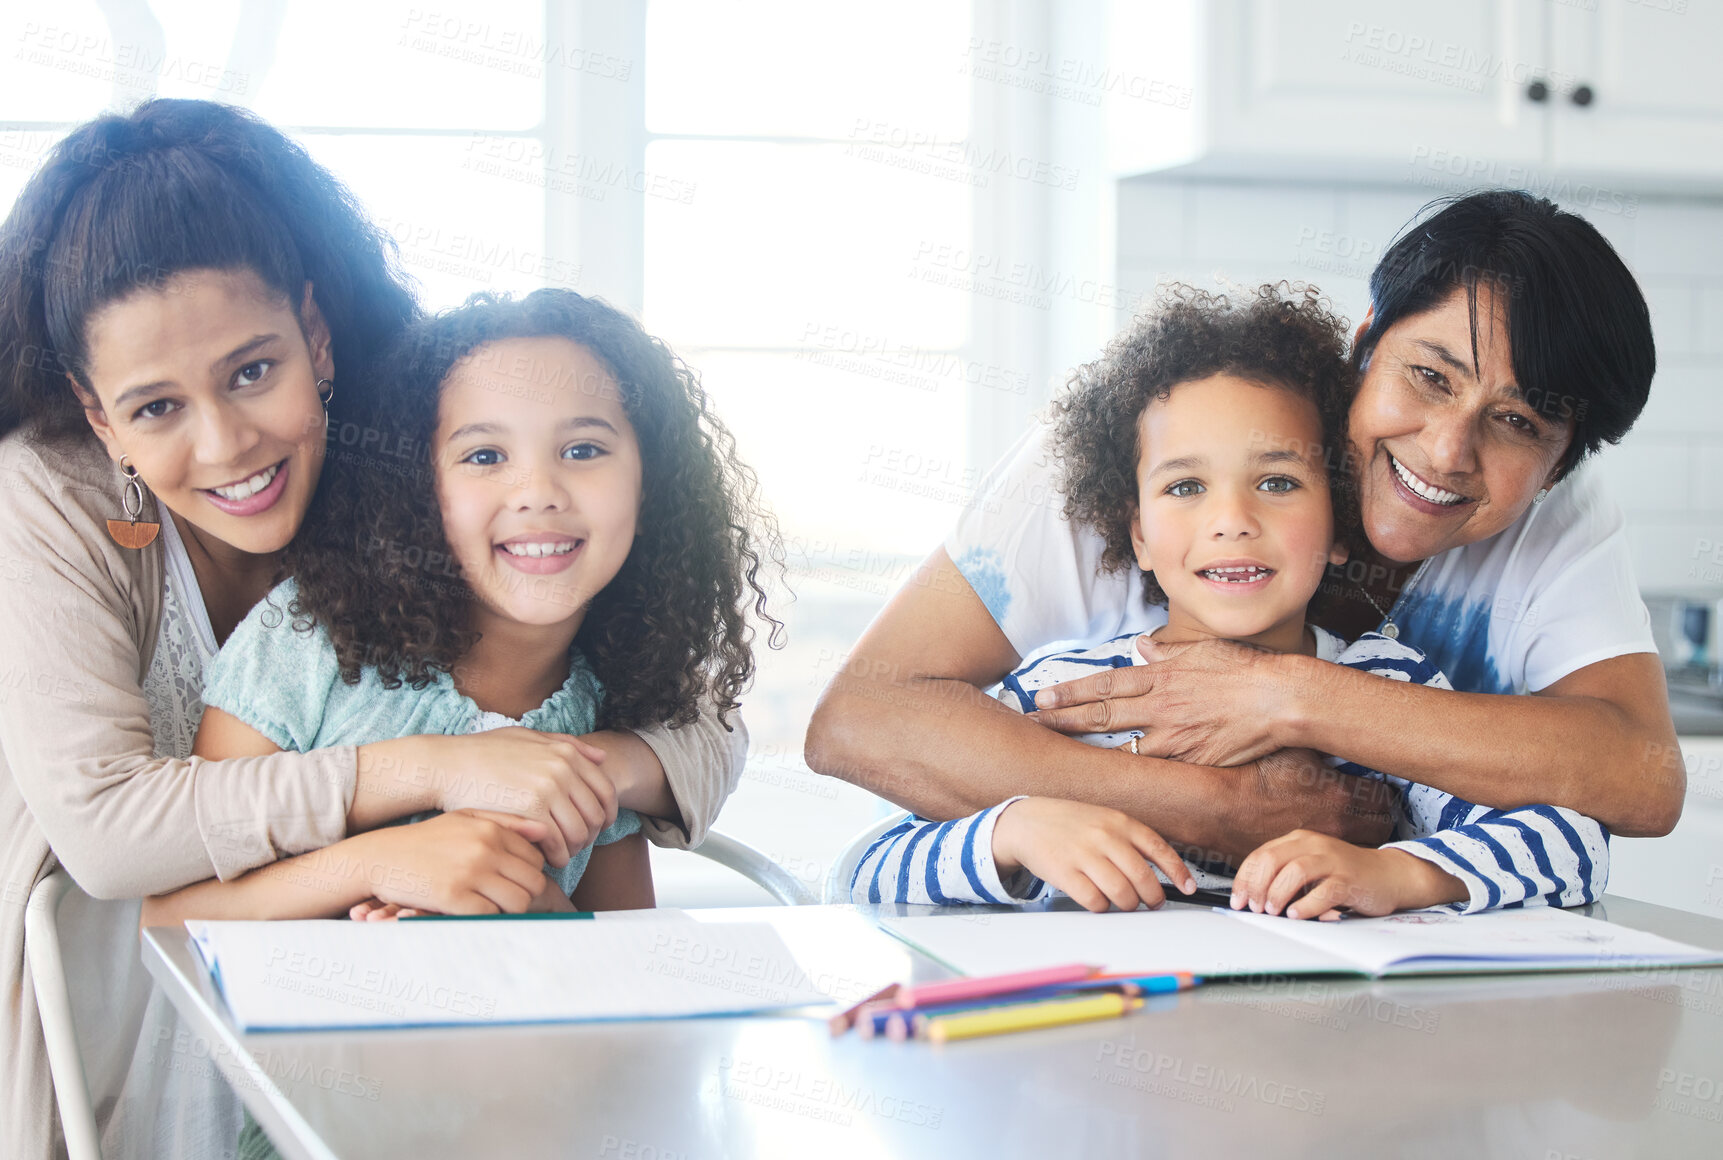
x=1672, y=317
x=1667, y=473
x=1709, y=314
x=1686, y=397
x=1676, y=237
x=1648, y=473
x=1261, y=224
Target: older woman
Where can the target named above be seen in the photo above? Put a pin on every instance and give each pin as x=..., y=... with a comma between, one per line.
x=187, y=302
x=1506, y=342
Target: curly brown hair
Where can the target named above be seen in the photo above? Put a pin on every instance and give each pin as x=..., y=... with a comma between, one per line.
x=374, y=567
x=1282, y=335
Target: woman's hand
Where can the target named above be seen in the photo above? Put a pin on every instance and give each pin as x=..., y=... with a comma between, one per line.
x=1309, y=875
x=553, y=781
x=462, y=862
x=1097, y=855
x=1211, y=702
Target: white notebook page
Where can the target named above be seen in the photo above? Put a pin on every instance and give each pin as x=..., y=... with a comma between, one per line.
x=335, y=973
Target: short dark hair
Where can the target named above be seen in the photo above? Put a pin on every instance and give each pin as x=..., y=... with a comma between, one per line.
x=374, y=567
x=125, y=202
x=1283, y=335
x=1579, y=331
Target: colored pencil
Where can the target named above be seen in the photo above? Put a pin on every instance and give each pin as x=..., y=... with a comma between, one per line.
x=1151, y=984
x=1030, y=1016
x=980, y=986
x=881, y=1019
x=843, y=1021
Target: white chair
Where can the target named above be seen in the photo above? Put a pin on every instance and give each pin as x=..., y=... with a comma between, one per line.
x=54, y=1002
x=838, y=878
x=753, y=865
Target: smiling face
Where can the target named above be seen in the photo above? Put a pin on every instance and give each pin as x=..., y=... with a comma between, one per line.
x=538, y=478
x=1447, y=454
x=1234, y=516
x=209, y=387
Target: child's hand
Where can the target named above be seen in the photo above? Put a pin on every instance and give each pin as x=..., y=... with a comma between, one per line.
x=468, y=862
x=376, y=910
x=1095, y=854
x=1310, y=875
x=550, y=900
x=551, y=779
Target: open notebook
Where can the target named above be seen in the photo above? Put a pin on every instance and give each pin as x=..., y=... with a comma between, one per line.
x=1221, y=943
x=334, y=973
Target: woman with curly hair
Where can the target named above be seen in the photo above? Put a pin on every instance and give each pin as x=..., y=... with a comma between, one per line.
x=548, y=529
x=1204, y=446
x=188, y=305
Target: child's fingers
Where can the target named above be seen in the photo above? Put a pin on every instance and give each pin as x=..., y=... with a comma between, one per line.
x=513, y=835
x=1255, y=873
x=1294, y=877
x=361, y=910
x=1323, y=899
x=509, y=895
x=1140, y=875
x=1083, y=892
x=471, y=902
x=531, y=830
x=1154, y=847
x=1111, y=881
x=517, y=846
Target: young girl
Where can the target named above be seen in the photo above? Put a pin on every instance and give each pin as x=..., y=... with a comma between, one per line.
x=1199, y=448
x=542, y=527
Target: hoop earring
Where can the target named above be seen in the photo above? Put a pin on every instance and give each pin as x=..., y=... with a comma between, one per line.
x=129, y=532
x=324, y=398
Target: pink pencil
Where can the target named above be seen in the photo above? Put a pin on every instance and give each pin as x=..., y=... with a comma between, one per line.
x=980, y=987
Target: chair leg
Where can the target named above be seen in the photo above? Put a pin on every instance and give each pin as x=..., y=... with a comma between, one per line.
x=54, y=1002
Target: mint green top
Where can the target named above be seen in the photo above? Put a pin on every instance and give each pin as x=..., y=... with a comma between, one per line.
x=281, y=678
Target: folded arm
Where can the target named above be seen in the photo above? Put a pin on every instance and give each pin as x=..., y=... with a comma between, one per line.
x=907, y=718
x=1599, y=741
x=1536, y=856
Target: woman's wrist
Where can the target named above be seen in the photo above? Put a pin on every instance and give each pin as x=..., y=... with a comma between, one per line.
x=1298, y=681
x=637, y=773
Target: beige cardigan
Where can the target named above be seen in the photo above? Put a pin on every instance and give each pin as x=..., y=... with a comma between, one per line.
x=79, y=785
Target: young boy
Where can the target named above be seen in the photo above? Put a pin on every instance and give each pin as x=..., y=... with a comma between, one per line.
x=1203, y=447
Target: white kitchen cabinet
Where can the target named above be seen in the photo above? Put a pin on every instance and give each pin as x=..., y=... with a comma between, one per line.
x=1459, y=94
x=1650, y=70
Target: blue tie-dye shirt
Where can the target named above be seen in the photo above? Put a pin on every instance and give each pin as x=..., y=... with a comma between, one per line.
x=1515, y=613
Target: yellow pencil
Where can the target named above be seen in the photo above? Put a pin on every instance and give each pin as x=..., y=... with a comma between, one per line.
x=1028, y=1016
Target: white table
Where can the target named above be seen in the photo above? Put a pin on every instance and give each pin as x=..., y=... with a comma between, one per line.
x=1547, y=1067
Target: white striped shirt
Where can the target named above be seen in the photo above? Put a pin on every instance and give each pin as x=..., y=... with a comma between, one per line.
x=1533, y=856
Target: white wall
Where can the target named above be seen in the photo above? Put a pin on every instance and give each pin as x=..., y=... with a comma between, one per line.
x=1668, y=472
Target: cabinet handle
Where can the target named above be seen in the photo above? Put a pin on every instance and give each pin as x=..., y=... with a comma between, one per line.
x=1582, y=95
x=1538, y=91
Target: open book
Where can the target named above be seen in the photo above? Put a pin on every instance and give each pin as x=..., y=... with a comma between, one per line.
x=333, y=973
x=1222, y=943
